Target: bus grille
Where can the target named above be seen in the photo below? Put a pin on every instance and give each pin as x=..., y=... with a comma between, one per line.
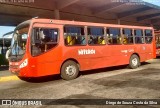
x=13, y=66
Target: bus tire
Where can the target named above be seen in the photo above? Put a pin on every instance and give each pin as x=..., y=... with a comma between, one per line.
x=69, y=70
x=134, y=61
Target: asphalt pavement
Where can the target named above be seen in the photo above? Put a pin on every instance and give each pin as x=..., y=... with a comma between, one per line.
x=107, y=83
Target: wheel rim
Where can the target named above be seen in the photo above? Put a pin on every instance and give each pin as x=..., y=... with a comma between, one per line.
x=71, y=70
x=134, y=62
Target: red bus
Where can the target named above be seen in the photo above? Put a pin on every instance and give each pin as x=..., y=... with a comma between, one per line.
x=157, y=35
x=67, y=47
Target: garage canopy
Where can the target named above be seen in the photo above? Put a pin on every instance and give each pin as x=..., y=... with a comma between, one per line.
x=102, y=11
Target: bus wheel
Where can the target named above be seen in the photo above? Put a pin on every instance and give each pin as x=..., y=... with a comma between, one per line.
x=134, y=61
x=69, y=70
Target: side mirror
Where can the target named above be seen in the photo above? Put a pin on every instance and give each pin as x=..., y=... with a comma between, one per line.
x=8, y=53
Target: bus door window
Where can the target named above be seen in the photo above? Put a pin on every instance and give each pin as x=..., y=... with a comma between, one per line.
x=114, y=36
x=127, y=36
x=74, y=35
x=138, y=36
x=43, y=39
x=96, y=36
x=148, y=36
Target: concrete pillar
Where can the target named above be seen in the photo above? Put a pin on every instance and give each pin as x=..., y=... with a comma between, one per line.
x=56, y=14
x=119, y=21
x=151, y=25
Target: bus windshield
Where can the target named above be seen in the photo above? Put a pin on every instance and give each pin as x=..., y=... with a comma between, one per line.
x=18, y=43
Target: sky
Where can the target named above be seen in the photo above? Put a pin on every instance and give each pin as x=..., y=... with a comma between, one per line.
x=6, y=29
x=156, y=2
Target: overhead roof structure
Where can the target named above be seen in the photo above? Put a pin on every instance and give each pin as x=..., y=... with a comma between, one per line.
x=102, y=11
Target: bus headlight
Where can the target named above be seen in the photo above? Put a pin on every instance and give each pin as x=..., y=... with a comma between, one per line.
x=24, y=63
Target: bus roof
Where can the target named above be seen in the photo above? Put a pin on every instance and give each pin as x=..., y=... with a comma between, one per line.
x=65, y=22
x=27, y=22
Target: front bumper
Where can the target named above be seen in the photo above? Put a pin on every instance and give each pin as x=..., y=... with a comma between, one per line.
x=14, y=69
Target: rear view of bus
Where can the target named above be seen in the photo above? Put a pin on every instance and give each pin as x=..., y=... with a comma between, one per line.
x=157, y=34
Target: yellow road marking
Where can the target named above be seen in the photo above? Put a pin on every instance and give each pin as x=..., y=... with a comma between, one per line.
x=8, y=78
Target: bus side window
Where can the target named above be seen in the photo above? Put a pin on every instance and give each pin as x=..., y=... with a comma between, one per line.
x=139, y=39
x=148, y=36
x=127, y=36
x=114, y=36
x=157, y=41
x=43, y=39
x=96, y=36
x=74, y=35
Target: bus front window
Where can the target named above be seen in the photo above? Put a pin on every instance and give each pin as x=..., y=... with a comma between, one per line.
x=18, y=43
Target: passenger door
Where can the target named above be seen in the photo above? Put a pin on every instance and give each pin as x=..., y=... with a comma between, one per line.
x=46, y=51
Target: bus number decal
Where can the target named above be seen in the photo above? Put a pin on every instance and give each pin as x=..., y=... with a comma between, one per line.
x=86, y=51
